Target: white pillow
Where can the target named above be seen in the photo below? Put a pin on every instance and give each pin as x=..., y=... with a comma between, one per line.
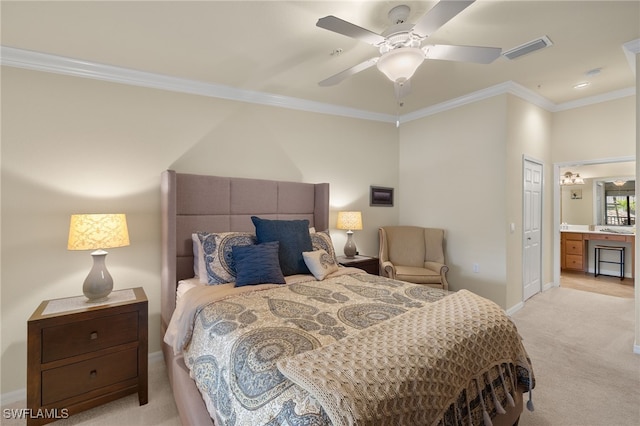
x=320, y=263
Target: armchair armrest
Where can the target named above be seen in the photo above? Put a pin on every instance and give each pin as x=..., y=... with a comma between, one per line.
x=439, y=267
x=387, y=269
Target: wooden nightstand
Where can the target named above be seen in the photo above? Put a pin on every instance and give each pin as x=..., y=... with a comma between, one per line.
x=80, y=356
x=367, y=263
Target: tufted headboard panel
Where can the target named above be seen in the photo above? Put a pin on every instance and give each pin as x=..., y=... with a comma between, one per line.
x=192, y=203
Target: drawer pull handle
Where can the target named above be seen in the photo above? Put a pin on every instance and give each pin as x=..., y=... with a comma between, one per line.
x=93, y=374
x=93, y=335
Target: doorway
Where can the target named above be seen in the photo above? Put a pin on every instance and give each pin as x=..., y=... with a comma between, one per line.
x=569, y=212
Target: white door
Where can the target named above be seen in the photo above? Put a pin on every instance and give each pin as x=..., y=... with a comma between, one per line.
x=532, y=224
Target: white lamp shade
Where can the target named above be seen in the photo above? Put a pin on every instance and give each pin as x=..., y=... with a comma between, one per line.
x=97, y=231
x=349, y=220
x=400, y=64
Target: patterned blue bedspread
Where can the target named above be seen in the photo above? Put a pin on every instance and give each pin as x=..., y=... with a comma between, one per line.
x=237, y=341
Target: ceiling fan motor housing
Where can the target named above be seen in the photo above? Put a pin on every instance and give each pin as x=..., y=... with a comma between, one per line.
x=398, y=36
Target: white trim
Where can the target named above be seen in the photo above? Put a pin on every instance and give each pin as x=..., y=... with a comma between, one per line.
x=617, y=94
x=14, y=396
x=631, y=49
x=44, y=62
x=515, y=308
x=155, y=357
x=21, y=394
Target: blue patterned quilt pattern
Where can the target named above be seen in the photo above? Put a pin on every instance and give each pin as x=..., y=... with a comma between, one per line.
x=237, y=341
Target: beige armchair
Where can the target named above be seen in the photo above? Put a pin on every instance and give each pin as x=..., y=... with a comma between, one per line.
x=414, y=254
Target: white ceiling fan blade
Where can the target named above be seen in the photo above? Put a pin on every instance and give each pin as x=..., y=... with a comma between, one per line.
x=343, y=27
x=337, y=78
x=439, y=15
x=477, y=54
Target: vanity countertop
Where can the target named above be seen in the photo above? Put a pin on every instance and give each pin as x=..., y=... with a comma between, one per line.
x=598, y=232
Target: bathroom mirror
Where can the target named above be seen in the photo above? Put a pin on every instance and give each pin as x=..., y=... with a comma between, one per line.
x=615, y=202
x=599, y=201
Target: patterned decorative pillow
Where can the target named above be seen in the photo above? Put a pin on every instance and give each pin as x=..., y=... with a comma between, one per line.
x=257, y=264
x=213, y=254
x=322, y=240
x=294, y=238
x=320, y=263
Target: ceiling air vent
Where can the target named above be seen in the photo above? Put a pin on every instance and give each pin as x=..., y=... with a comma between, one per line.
x=523, y=49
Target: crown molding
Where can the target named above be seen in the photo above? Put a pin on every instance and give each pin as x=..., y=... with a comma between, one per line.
x=44, y=62
x=509, y=87
x=610, y=96
x=37, y=61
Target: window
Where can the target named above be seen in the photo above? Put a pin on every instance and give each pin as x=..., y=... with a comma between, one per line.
x=620, y=203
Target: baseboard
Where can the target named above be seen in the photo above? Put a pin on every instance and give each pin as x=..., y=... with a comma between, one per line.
x=512, y=310
x=155, y=357
x=515, y=308
x=11, y=397
x=21, y=394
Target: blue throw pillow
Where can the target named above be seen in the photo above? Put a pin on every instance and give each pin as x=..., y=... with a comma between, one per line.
x=294, y=239
x=257, y=264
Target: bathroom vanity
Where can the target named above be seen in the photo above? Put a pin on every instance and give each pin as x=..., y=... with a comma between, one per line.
x=576, y=247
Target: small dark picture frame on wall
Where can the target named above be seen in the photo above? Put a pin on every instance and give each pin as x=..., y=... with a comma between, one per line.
x=381, y=196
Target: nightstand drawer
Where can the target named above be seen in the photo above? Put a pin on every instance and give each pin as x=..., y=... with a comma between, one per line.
x=71, y=339
x=82, y=377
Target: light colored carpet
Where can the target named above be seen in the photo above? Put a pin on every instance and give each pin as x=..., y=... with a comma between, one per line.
x=581, y=346
x=161, y=409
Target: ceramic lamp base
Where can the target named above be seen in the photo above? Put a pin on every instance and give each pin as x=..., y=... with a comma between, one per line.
x=98, y=284
x=350, y=247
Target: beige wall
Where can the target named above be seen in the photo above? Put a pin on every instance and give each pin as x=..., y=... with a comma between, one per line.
x=452, y=168
x=598, y=131
x=576, y=211
x=461, y=170
x=529, y=130
x=73, y=145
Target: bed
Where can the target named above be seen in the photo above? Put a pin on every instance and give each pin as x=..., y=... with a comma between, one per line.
x=300, y=352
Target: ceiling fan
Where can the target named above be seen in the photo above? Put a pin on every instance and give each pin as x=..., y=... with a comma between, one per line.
x=400, y=46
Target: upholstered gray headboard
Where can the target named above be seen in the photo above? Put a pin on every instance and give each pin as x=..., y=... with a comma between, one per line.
x=192, y=203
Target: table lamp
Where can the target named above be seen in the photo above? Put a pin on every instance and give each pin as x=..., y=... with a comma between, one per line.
x=97, y=232
x=350, y=221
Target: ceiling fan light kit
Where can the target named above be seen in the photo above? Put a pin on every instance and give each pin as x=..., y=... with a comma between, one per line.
x=399, y=65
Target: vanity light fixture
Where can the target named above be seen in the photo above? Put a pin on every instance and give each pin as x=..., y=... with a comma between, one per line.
x=571, y=179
